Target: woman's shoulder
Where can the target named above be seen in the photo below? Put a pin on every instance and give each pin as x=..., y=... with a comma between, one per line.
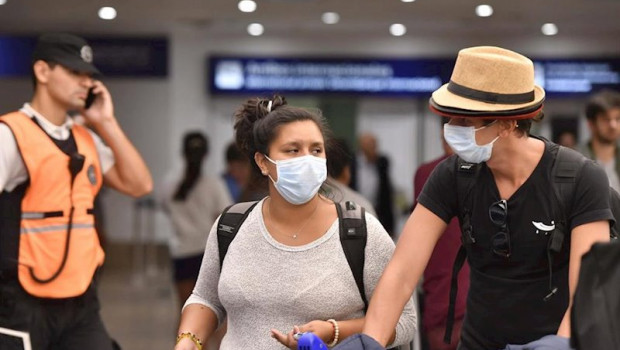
x=376, y=233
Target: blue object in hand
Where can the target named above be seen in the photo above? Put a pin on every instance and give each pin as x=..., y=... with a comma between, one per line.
x=310, y=341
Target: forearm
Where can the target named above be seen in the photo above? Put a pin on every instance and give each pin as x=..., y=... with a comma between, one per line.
x=401, y=275
x=387, y=304
x=131, y=169
x=347, y=328
x=198, y=320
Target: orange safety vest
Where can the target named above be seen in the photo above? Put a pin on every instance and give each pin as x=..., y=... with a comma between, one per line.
x=51, y=204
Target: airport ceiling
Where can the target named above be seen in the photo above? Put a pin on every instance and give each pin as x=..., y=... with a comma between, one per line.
x=358, y=18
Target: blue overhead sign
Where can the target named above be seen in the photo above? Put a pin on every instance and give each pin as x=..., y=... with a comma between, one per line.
x=387, y=77
x=114, y=57
x=356, y=76
x=577, y=76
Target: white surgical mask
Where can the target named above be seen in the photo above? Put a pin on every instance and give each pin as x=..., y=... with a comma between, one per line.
x=462, y=140
x=300, y=178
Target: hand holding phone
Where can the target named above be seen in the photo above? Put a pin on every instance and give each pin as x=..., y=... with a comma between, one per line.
x=90, y=98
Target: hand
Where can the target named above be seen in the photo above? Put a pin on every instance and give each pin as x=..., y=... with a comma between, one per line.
x=286, y=339
x=323, y=329
x=102, y=108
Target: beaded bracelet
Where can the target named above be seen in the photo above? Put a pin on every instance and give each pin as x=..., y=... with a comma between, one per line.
x=191, y=337
x=336, y=332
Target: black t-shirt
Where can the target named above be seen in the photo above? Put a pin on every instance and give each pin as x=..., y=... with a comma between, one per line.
x=505, y=301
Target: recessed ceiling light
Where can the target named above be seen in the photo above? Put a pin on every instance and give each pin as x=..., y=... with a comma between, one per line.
x=2, y=2
x=330, y=18
x=247, y=6
x=107, y=13
x=484, y=10
x=549, y=29
x=398, y=29
x=256, y=29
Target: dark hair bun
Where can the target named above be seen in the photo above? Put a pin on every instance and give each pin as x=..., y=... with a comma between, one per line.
x=251, y=112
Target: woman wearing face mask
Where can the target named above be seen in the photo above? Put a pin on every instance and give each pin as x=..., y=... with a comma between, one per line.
x=285, y=272
x=500, y=185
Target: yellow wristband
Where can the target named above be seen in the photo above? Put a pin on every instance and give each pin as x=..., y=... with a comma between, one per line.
x=191, y=337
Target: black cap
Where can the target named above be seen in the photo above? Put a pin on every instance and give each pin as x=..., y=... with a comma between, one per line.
x=67, y=50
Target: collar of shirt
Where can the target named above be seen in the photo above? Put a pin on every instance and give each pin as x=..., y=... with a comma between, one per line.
x=59, y=132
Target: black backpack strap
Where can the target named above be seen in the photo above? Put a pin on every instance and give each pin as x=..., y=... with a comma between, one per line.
x=466, y=176
x=564, y=175
x=228, y=225
x=614, y=204
x=353, y=237
x=459, y=261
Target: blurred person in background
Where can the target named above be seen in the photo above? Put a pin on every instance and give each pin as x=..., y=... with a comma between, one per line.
x=438, y=271
x=567, y=139
x=238, y=171
x=339, y=160
x=193, y=203
x=371, y=177
x=51, y=169
x=603, y=115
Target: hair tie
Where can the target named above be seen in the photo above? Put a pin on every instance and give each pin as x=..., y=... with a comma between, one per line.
x=269, y=106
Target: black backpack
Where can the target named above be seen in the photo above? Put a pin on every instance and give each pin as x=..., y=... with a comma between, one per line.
x=565, y=172
x=353, y=235
x=595, y=315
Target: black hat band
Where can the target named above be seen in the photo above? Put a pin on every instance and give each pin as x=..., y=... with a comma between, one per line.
x=490, y=97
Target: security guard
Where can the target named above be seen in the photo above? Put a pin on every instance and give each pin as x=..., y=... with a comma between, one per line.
x=50, y=172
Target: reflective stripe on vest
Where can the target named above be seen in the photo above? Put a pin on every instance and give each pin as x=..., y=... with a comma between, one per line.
x=45, y=212
x=47, y=229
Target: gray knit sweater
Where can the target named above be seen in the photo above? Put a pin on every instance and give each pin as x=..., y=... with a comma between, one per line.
x=265, y=284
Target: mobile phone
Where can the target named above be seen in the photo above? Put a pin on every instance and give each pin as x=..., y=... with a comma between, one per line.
x=90, y=98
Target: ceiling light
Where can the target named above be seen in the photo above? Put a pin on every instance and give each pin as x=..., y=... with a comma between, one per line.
x=247, y=6
x=107, y=13
x=330, y=18
x=398, y=29
x=484, y=10
x=407, y=0
x=256, y=29
x=2, y=2
x=549, y=29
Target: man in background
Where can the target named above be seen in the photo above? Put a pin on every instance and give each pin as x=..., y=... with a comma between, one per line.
x=371, y=178
x=237, y=174
x=603, y=116
x=339, y=159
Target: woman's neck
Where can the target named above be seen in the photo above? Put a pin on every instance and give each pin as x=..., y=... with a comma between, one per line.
x=289, y=214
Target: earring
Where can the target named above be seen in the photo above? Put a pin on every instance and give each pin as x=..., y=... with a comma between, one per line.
x=264, y=172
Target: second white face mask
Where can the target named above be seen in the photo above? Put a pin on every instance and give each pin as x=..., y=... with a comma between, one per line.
x=462, y=140
x=300, y=178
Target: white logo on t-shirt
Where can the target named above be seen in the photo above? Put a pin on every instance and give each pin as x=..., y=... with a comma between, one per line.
x=544, y=228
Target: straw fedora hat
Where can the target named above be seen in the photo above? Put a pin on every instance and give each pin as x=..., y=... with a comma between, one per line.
x=489, y=80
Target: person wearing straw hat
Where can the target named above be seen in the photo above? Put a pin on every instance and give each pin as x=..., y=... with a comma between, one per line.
x=522, y=274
